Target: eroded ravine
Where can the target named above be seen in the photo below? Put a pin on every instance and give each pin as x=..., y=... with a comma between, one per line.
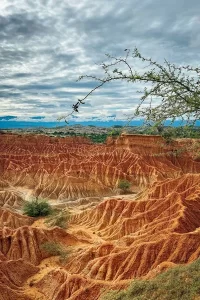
x=111, y=240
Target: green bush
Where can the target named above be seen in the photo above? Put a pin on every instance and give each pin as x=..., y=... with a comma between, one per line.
x=97, y=137
x=55, y=249
x=115, y=133
x=168, y=136
x=51, y=248
x=37, y=207
x=124, y=185
x=59, y=219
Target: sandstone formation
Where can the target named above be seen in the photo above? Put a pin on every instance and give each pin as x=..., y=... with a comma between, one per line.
x=24, y=242
x=13, y=274
x=71, y=168
x=111, y=241
x=13, y=219
x=144, y=232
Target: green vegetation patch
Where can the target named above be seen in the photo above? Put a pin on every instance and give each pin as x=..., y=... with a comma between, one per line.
x=37, y=208
x=58, y=218
x=97, y=138
x=124, y=185
x=178, y=283
x=55, y=249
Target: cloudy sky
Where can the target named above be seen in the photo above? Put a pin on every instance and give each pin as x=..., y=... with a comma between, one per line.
x=45, y=45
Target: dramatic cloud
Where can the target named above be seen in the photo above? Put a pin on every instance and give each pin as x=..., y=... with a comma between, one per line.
x=46, y=45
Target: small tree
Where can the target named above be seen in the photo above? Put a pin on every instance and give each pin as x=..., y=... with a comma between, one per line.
x=37, y=207
x=124, y=185
x=169, y=92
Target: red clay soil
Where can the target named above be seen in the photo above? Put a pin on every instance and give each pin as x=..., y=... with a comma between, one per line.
x=110, y=244
x=70, y=168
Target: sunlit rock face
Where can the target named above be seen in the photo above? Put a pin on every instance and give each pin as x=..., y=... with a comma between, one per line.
x=70, y=168
x=111, y=242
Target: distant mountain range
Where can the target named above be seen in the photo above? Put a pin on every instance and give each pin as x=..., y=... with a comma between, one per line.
x=11, y=124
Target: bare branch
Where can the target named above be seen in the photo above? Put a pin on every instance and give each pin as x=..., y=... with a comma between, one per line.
x=178, y=87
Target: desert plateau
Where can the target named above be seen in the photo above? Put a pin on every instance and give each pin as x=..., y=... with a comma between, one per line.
x=110, y=238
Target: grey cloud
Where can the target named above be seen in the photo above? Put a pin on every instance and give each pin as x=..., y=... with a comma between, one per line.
x=4, y=94
x=37, y=117
x=21, y=75
x=20, y=25
x=7, y=118
x=13, y=55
